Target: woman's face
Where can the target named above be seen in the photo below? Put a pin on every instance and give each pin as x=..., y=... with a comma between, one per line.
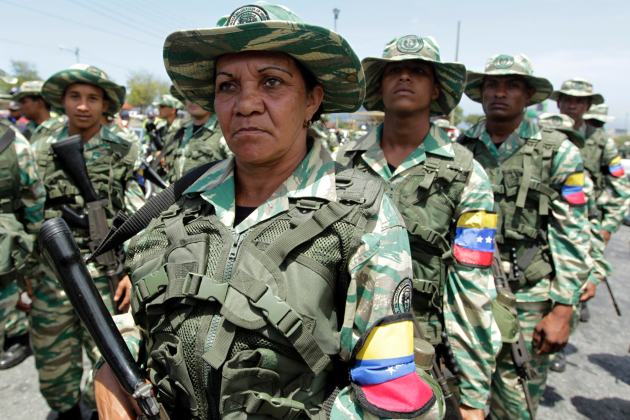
x=262, y=104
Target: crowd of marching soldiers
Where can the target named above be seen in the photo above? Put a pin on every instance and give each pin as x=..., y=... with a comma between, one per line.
x=508, y=221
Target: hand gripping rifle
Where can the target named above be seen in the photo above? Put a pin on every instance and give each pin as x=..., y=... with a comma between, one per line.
x=69, y=155
x=62, y=253
x=520, y=355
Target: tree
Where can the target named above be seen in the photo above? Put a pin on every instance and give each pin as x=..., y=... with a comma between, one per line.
x=472, y=119
x=144, y=88
x=24, y=71
x=458, y=115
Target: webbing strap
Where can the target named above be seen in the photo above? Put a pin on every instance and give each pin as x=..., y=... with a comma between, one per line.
x=306, y=231
x=286, y=320
x=543, y=203
x=527, y=175
x=430, y=236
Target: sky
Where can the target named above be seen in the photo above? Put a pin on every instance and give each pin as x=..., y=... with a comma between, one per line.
x=563, y=39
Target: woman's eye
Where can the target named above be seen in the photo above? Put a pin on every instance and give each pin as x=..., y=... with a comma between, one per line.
x=227, y=86
x=272, y=82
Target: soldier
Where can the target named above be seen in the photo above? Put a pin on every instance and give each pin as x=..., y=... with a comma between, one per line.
x=312, y=301
x=200, y=142
x=168, y=130
x=445, y=199
x=22, y=199
x=601, y=159
x=85, y=93
x=37, y=110
x=538, y=181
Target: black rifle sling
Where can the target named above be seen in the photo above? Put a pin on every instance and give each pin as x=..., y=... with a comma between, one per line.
x=151, y=209
x=7, y=139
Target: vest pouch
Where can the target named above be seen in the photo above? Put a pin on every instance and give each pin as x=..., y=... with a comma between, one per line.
x=539, y=268
x=262, y=383
x=167, y=370
x=503, y=310
x=428, y=278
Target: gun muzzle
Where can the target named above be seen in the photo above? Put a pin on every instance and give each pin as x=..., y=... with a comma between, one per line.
x=152, y=175
x=62, y=254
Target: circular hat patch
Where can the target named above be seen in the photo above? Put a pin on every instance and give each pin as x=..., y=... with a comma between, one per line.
x=247, y=14
x=409, y=44
x=504, y=62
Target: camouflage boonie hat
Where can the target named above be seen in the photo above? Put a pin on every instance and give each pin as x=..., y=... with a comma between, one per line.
x=451, y=76
x=9, y=80
x=177, y=94
x=56, y=85
x=599, y=113
x=562, y=123
x=170, y=101
x=30, y=88
x=580, y=88
x=509, y=65
x=190, y=56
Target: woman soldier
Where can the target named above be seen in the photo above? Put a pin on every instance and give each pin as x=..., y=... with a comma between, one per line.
x=275, y=287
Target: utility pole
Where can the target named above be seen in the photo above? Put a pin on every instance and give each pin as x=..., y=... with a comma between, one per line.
x=459, y=24
x=74, y=51
x=336, y=15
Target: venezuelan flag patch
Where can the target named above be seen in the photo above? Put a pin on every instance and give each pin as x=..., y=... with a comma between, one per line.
x=384, y=373
x=573, y=189
x=615, y=168
x=474, y=238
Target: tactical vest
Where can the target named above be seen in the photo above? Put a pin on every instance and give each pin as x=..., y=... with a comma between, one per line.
x=427, y=198
x=108, y=175
x=593, y=155
x=247, y=324
x=522, y=193
x=9, y=176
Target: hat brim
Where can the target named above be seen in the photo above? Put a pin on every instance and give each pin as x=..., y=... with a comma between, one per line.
x=190, y=58
x=56, y=85
x=596, y=98
x=24, y=94
x=542, y=87
x=601, y=118
x=451, y=78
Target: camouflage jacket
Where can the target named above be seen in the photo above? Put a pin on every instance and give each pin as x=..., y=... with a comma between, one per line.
x=567, y=237
x=614, y=198
x=171, y=136
x=600, y=268
x=114, y=181
x=466, y=304
x=198, y=145
x=378, y=270
x=44, y=130
x=31, y=188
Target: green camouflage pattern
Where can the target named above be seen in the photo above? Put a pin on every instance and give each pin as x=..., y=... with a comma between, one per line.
x=57, y=333
x=601, y=268
x=176, y=94
x=568, y=240
x=470, y=326
x=562, y=123
x=58, y=339
x=13, y=322
x=170, y=101
x=508, y=400
x=56, y=85
x=613, y=194
x=190, y=56
x=598, y=112
x=578, y=87
x=45, y=129
x=171, y=134
x=508, y=65
x=198, y=146
x=30, y=88
x=450, y=76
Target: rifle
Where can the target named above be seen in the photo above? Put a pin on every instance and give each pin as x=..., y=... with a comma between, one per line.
x=612, y=297
x=520, y=356
x=149, y=173
x=69, y=155
x=62, y=253
x=155, y=136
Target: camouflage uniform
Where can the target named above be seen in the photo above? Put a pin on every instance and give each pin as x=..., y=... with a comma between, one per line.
x=367, y=277
x=457, y=300
x=19, y=224
x=171, y=134
x=58, y=336
x=602, y=160
x=562, y=198
x=199, y=144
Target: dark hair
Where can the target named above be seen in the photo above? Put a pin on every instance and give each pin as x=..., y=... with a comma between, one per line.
x=310, y=81
x=39, y=98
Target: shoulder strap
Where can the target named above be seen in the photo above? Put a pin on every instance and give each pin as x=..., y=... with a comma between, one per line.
x=6, y=139
x=126, y=227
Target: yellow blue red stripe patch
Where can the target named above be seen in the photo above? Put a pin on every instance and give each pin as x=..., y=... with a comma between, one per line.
x=573, y=189
x=615, y=168
x=474, y=238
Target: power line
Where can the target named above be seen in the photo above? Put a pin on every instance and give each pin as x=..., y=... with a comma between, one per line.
x=150, y=13
x=74, y=22
x=116, y=17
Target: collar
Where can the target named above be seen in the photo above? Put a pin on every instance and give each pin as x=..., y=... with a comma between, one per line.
x=314, y=177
